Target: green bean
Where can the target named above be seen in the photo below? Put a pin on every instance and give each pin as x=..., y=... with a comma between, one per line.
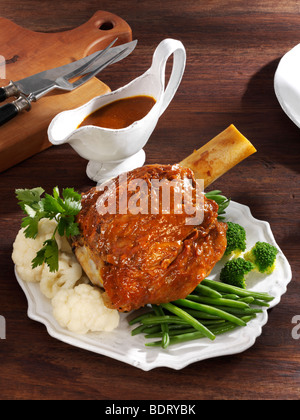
x=222, y=201
x=164, y=326
x=177, y=328
x=181, y=338
x=205, y=322
x=223, y=206
x=218, y=301
x=138, y=330
x=212, y=322
x=146, y=329
x=165, y=342
x=211, y=310
x=171, y=333
x=140, y=317
x=222, y=287
x=170, y=320
x=230, y=296
x=260, y=303
x=213, y=192
x=239, y=312
x=218, y=198
x=187, y=317
x=201, y=315
x=207, y=291
x=151, y=329
x=163, y=319
x=248, y=299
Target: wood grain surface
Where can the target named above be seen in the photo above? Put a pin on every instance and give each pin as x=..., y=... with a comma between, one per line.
x=33, y=52
x=232, y=54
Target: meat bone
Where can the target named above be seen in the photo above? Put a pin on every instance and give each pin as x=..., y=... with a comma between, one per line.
x=219, y=155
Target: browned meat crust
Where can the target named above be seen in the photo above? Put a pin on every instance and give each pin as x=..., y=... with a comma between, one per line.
x=147, y=258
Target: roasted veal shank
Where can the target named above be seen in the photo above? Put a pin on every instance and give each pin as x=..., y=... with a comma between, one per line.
x=157, y=258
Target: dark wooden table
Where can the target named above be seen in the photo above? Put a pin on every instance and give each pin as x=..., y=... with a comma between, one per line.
x=232, y=54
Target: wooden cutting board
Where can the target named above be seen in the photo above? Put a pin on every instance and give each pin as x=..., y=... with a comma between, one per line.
x=26, y=53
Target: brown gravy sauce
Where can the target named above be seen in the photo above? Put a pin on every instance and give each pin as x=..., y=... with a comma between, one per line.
x=121, y=113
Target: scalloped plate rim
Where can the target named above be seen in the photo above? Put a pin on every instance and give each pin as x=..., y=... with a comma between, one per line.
x=247, y=335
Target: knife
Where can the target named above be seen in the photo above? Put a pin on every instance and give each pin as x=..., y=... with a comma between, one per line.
x=32, y=88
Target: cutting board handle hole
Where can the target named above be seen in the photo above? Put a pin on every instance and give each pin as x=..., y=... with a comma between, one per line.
x=106, y=26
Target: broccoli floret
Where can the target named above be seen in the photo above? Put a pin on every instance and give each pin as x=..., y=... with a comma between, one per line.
x=236, y=239
x=234, y=272
x=263, y=256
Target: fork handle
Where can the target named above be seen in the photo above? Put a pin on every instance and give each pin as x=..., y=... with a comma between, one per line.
x=7, y=91
x=11, y=110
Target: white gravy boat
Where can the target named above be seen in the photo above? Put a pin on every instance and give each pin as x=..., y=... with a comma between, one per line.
x=113, y=151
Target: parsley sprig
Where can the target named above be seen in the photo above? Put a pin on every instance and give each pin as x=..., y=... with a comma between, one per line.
x=62, y=209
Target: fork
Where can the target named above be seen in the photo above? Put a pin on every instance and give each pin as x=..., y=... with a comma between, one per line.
x=88, y=70
x=62, y=82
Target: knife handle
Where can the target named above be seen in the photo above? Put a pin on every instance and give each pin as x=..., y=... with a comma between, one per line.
x=2, y=94
x=8, y=91
x=8, y=112
x=12, y=109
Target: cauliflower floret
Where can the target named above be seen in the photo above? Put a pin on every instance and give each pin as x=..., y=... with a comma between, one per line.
x=82, y=309
x=76, y=304
x=25, y=249
x=68, y=274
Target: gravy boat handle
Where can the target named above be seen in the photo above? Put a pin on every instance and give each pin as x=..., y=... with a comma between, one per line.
x=164, y=50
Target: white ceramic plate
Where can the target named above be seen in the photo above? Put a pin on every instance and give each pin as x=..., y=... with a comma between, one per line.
x=120, y=345
x=287, y=84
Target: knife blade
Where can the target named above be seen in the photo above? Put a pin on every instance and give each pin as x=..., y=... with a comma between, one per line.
x=44, y=79
x=32, y=88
